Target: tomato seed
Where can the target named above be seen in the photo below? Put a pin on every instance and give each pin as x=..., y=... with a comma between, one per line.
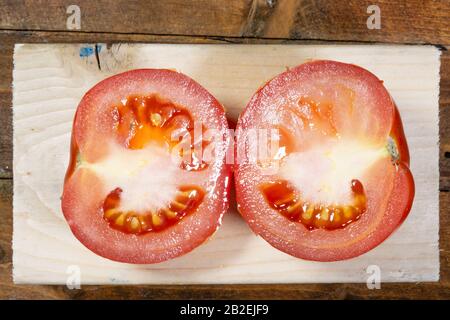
x=186, y=202
x=282, y=197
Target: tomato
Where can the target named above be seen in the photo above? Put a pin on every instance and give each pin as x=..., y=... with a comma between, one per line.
x=138, y=188
x=323, y=164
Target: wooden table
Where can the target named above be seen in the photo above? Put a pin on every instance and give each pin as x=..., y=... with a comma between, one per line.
x=201, y=21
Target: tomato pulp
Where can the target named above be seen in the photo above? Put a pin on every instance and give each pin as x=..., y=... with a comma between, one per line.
x=138, y=188
x=323, y=164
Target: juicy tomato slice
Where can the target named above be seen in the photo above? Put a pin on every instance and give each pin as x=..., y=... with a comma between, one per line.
x=139, y=188
x=323, y=164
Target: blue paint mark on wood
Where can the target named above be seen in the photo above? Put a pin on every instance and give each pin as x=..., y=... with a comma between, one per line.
x=86, y=51
x=89, y=50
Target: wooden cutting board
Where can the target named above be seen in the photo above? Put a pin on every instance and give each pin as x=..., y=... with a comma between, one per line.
x=49, y=81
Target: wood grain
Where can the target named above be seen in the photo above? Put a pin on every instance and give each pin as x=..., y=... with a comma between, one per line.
x=401, y=21
x=444, y=123
x=199, y=17
x=6, y=111
x=284, y=20
x=438, y=290
x=405, y=21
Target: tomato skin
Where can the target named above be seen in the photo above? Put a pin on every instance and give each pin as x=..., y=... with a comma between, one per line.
x=84, y=192
x=398, y=135
x=391, y=187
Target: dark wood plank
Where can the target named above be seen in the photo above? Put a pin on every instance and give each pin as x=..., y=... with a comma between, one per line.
x=315, y=291
x=199, y=17
x=405, y=21
x=439, y=290
x=222, y=21
x=444, y=122
x=6, y=51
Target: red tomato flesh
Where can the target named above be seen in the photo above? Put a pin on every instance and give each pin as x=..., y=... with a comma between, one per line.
x=137, y=190
x=337, y=183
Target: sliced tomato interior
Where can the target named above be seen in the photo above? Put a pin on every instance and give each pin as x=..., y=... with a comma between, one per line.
x=339, y=182
x=138, y=137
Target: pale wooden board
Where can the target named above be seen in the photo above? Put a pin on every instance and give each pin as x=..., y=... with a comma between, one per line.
x=49, y=81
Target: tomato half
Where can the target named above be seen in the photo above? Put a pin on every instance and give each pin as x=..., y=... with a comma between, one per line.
x=323, y=164
x=138, y=188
